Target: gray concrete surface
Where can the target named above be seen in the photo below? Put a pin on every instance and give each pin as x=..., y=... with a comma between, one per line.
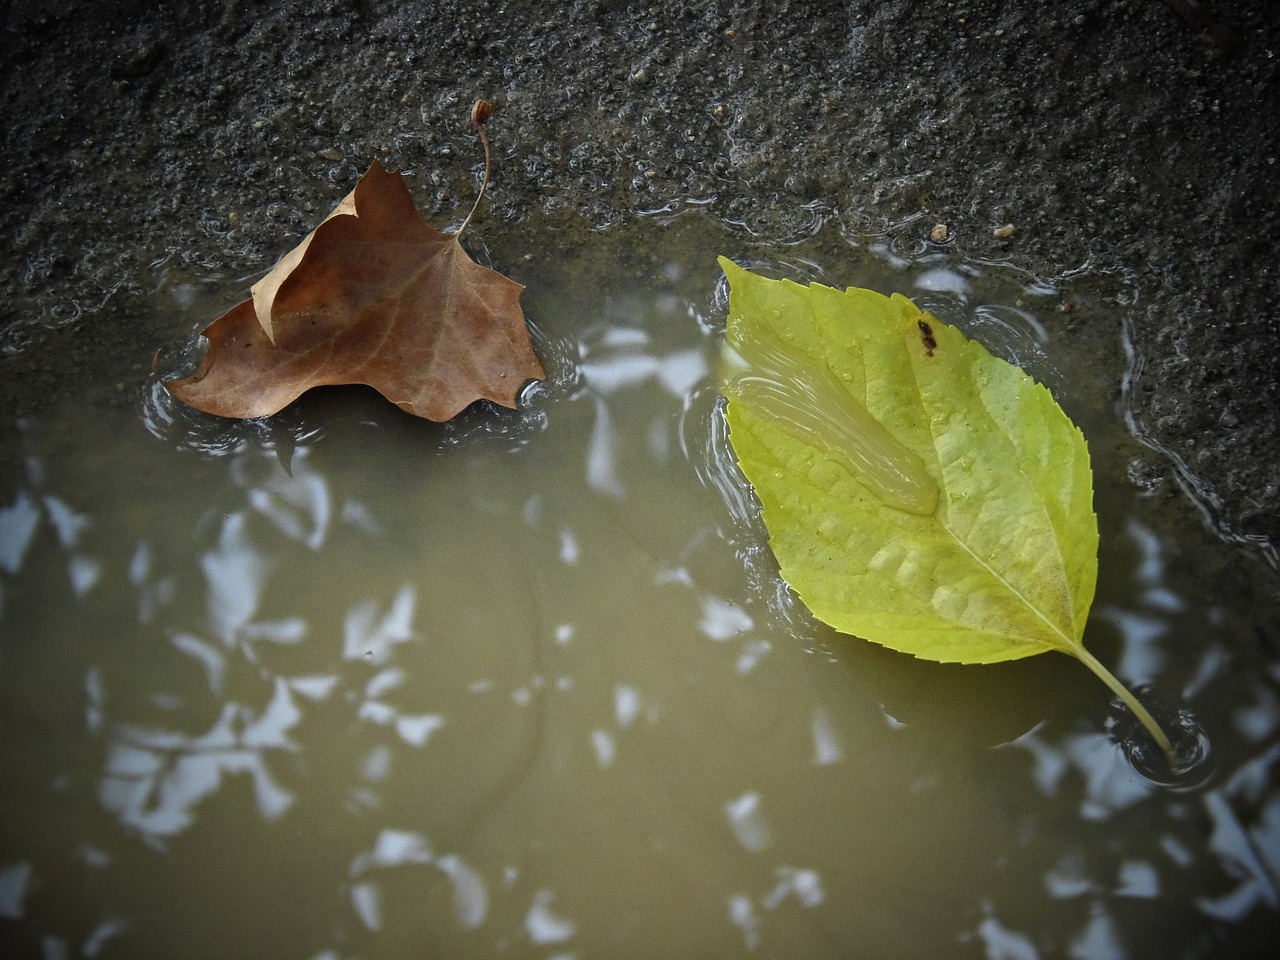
x=1107, y=131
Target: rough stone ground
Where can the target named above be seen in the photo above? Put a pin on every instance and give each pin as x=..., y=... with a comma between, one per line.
x=211, y=136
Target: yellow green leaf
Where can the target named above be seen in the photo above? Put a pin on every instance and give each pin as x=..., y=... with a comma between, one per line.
x=918, y=491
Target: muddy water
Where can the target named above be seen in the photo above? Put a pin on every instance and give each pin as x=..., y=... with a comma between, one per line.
x=349, y=684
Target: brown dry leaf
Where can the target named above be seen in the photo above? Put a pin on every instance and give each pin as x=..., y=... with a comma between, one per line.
x=373, y=295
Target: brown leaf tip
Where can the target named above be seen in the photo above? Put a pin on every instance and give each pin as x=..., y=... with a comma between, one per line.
x=481, y=112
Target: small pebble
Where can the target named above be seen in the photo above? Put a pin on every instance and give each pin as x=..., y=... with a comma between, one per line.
x=1005, y=232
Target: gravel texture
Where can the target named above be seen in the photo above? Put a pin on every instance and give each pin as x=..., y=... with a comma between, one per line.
x=143, y=137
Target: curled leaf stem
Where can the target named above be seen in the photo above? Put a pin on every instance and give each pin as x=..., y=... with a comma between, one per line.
x=1132, y=702
x=480, y=112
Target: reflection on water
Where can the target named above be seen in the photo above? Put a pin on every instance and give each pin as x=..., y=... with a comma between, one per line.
x=347, y=684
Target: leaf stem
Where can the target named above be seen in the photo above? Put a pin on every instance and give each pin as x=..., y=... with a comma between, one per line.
x=1132, y=702
x=480, y=112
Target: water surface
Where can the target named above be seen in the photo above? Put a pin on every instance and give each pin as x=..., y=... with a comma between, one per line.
x=348, y=684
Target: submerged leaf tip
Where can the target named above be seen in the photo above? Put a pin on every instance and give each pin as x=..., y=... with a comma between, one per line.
x=795, y=389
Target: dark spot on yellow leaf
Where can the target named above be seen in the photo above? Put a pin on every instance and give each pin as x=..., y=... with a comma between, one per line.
x=926, y=337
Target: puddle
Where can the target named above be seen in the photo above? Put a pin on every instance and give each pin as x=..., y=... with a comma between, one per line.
x=344, y=683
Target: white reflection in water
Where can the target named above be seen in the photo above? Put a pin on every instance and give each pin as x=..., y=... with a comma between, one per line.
x=399, y=848
x=235, y=573
x=748, y=823
x=603, y=746
x=361, y=516
x=752, y=652
x=84, y=573
x=67, y=524
x=521, y=696
x=827, y=749
x=299, y=505
x=392, y=848
x=791, y=883
x=92, y=856
x=1176, y=850
x=1138, y=879
x=1140, y=655
x=942, y=280
x=1099, y=940
x=626, y=705
x=155, y=778
x=659, y=437
x=618, y=362
x=470, y=895
x=542, y=925
x=629, y=706
x=367, y=636
x=153, y=595
x=1256, y=721
x=101, y=934
x=94, y=696
x=568, y=547
x=607, y=376
x=682, y=371
x=1111, y=783
x=1244, y=854
x=1158, y=598
x=1140, y=629
x=531, y=511
x=1213, y=661
x=287, y=632
x=365, y=901
x=140, y=564
x=1050, y=763
x=377, y=764
x=804, y=885
x=1067, y=880
x=417, y=730
x=13, y=889
x=723, y=620
x=602, y=454
x=206, y=655
x=742, y=914
x=18, y=523
x=270, y=730
x=677, y=372
x=413, y=729
x=384, y=681
x=1001, y=943
x=1150, y=570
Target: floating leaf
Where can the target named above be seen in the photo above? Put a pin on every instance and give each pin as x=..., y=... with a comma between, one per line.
x=918, y=491
x=376, y=296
